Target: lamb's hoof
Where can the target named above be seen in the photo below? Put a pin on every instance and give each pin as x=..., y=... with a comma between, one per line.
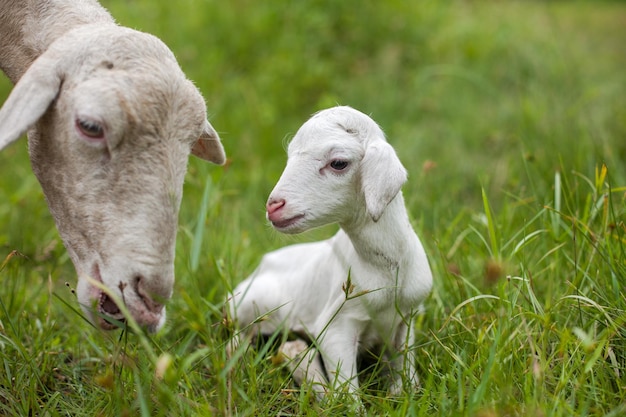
x=293, y=349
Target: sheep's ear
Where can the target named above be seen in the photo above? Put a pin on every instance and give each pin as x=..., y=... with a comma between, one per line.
x=382, y=176
x=29, y=100
x=208, y=146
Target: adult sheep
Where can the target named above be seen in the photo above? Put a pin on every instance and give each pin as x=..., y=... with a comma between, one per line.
x=111, y=121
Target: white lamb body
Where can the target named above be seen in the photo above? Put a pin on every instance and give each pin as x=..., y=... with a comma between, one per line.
x=359, y=290
x=304, y=286
x=111, y=122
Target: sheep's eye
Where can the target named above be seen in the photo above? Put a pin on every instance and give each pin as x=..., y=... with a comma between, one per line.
x=90, y=128
x=338, y=165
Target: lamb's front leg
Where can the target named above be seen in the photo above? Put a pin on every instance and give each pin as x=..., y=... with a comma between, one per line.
x=338, y=346
x=403, y=359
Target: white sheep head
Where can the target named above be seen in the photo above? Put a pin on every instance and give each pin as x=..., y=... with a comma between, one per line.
x=340, y=169
x=111, y=122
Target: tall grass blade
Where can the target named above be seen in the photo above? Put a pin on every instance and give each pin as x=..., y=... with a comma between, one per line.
x=491, y=226
x=556, y=222
x=196, y=245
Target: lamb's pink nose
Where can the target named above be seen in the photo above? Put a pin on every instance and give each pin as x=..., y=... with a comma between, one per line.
x=273, y=206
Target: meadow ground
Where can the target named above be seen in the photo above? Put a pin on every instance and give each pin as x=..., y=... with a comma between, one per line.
x=511, y=120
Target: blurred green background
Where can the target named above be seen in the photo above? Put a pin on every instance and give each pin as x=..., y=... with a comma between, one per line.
x=521, y=99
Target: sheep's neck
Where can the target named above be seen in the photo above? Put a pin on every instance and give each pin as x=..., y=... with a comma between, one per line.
x=14, y=57
x=28, y=28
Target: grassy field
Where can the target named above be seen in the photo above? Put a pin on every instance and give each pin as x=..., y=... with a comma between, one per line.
x=511, y=120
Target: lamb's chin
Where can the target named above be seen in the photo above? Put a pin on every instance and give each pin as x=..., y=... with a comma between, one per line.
x=291, y=225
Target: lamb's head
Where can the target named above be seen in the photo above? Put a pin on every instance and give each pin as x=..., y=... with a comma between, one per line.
x=340, y=169
x=112, y=122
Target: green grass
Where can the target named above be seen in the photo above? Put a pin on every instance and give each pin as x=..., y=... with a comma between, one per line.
x=511, y=120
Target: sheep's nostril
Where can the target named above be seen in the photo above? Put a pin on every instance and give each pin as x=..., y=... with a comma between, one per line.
x=146, y=296
x=274, y=205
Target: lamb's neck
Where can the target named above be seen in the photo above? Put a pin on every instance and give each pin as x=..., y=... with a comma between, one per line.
x=390, y=243
x=28, y=27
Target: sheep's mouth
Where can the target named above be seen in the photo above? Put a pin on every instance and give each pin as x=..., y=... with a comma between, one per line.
x=286, y=223
x=109, y=315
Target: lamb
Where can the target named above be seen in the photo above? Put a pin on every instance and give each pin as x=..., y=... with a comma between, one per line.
x=111, y=121
x=356, y=292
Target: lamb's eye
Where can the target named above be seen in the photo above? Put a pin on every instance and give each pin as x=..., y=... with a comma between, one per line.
x=338, y=165
x=90, y=128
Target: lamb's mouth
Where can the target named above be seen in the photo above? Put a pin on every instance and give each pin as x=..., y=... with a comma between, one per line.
x=286, y=223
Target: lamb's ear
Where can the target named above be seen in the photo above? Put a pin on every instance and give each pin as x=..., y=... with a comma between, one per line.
x=208, y=146
x=29, y=100
x=382, y=176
